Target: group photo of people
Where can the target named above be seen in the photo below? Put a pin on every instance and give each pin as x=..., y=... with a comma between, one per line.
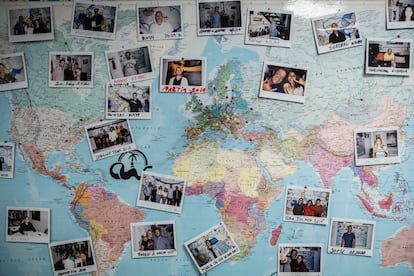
x=26, y=22
x=299, y=258
x=72, y=254
x=161, y=189
x=309, y=202
x=211, y=247
x=219, y=15
x=71, y=67
x=153, y=236
x=280, y=79
x=109, y=135
x=94, y=18
x=124, y=98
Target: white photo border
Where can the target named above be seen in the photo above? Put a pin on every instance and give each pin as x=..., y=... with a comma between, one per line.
x=91, y=33
x=393, y=12
x=114, y=63
x=144, y=34
x=165, y=72
x=266, y=40
x=162, y=179
x=361, y=134
x=220, y=230
x=111, y=150
x=20, y=81
x=76, y=270
x=352, y=31
x=288, y=207
x=275, y=95
x=35, y=36
x=333, y=248
x=10, y=147
x=140, y=89
x=206, y=31
x=299, y=247
x=13, y=233
x=84, y=56
x=135, y=227
x=376, y=63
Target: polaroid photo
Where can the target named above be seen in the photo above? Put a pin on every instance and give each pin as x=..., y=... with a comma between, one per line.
x=93, y=19
x=269, y=27
x=300, y=259
x=13, y=74
x=128, y=101
x=219, y=18
x=72, y=257
x=377, y=146
x=351, y=237
x=129, y=65
x=400, y=14
x=28, y=224
x=159, y=22
x=7, y=150
x=211, y=247
x=307, y=205
x=153, y=239
x=108, y=138
x=280, y=82
x=161, y=192
x=71, y=69
x=336, y=31
x=183, y=75
x=30, y=24
x=388, y=57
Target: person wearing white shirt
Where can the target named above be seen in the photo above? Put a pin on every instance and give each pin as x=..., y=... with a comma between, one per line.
x=160, y=27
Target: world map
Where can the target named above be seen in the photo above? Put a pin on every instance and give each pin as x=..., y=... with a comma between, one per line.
x=237, y=151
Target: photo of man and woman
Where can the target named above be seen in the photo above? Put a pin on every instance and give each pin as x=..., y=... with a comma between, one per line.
x=281, y=82
x=67, y=69
x=93, y=20
x=159, y=22
x=307, y=205
x=13, y=72
x=219, y=18
x=351, y=237
x=336, y=31
x=161, y=192
x=128, y=101
x=388, y=57
x=211, y=247
x=186, y=75
x=7, y=150
x=72, y=256
x=400, y=14
x=109, y=138
x=269, y=28
x=131, y=65
x=376, y=146
x=31, y=24
x=153, y=239
x=294, y=258
x=28, y=224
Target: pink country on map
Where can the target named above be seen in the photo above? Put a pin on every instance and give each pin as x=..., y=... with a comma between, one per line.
x=107, y=220
x=402, y=242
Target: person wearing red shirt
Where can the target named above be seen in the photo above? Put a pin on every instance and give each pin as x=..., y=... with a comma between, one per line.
x=308, y=208
x=317, y=208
